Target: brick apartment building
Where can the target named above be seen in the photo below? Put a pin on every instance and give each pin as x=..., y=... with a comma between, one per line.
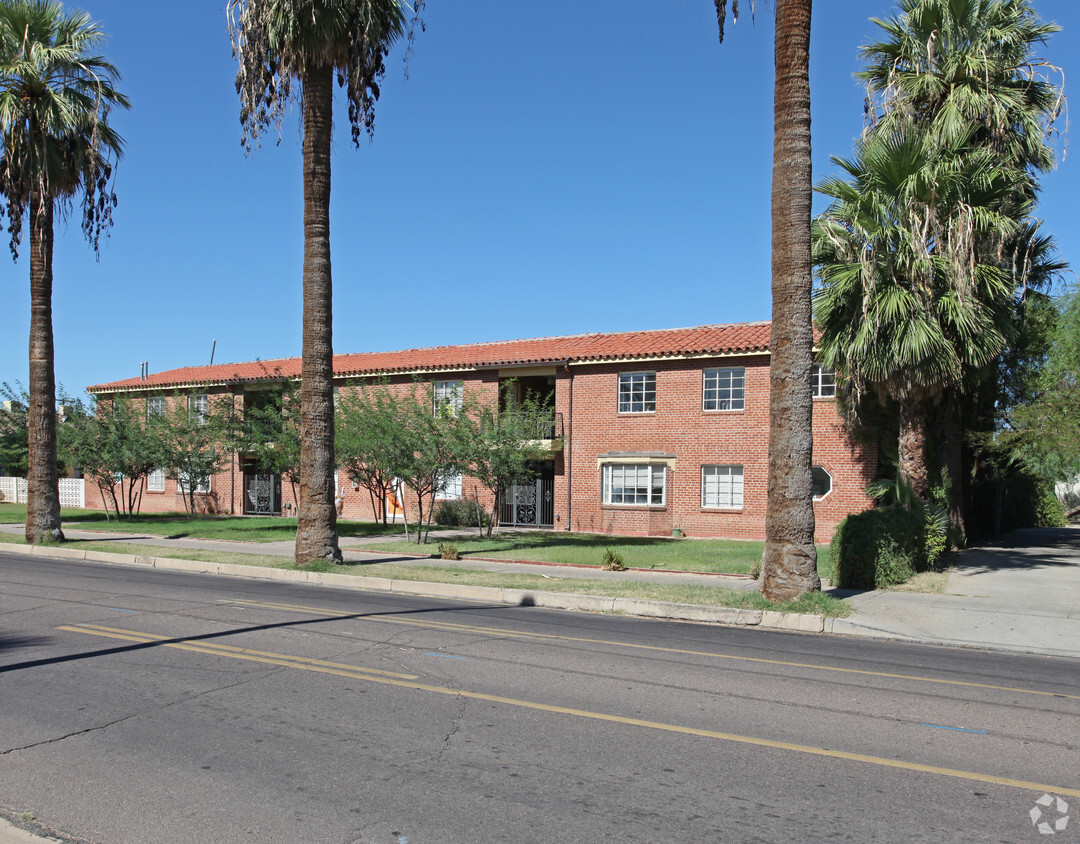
x=652, y=431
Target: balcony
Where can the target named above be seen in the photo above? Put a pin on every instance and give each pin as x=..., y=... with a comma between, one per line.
x=543, y=430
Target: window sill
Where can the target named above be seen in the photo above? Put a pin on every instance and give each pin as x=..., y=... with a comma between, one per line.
x=712, y=511
x=651, y=507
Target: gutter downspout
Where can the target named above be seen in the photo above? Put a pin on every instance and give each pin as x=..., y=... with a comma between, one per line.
x=570, y=454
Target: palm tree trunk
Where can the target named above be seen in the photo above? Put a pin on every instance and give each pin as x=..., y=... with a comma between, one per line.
x=316, y=531
x=789, y=566
x=911, y=462
x=43, y=494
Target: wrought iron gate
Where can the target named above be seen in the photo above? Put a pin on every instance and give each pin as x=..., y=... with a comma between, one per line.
x=531, y=504
x=262, y=494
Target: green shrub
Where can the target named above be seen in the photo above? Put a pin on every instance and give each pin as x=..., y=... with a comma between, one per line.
x=872, y=548
x=449, y=551
x=612, y=560
x=1029, y=501
x=459, y=512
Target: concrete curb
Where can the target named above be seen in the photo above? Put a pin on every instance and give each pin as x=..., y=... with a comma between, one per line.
x=730, y=616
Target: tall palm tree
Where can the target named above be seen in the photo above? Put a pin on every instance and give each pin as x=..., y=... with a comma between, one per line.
x=55, y=143
x=280, y=43
x=954, y=88
x=789, y=564
x=909, y=304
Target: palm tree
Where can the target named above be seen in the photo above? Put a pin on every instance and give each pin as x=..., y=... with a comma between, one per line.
x=279, y=43
x=955, y=89
x=909, y=304
x=789, y=564
x=55, y=100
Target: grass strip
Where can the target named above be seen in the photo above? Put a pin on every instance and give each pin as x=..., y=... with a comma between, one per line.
x=714, y=596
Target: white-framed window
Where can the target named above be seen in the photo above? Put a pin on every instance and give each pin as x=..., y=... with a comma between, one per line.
x=722, y=486
x=155, y=406
x=448, y=395
x=199, y=404
x=724, y=389
x=201, y=488
x=155, y=481
x=822, y=382
x=634, y=483
x=821, y=482
x=637, y=392
x=451, y=487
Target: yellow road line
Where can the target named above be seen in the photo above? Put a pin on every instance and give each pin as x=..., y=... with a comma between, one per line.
x=229, y=650
x=513, y=634
x=307, y=665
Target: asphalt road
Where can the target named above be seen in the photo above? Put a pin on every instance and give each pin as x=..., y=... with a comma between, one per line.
x=149, y=706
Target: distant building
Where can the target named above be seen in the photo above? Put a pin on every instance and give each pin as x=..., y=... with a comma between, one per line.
x=651, y=431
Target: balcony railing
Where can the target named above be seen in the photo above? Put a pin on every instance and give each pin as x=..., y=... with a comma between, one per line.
x=546, y=425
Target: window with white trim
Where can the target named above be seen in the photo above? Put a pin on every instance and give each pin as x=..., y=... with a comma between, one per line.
x=155, y=481
x=201, y=488
x=634, y=483
x=822, y=382
x=724, y=389
x=451, y=487
x=722, y=486
x=448, y=395
x=199, y=404
x=637, y=392
x=821, y=482
x=155, y=406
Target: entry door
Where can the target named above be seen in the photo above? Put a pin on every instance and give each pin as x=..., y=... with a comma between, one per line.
x=262, y=494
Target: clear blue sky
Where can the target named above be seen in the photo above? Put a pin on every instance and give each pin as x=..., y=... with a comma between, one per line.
x=551, y=167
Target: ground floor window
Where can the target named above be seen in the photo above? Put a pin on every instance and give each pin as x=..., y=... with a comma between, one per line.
x=634, y=483
x=202, y=485
x=155, y=481
x=821, y=481
x=451, y=487
x=722, y=486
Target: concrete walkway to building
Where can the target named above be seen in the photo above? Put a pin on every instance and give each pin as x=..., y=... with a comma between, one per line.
x=1019, y=594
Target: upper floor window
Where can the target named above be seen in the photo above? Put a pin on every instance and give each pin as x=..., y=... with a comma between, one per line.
x=724, y=389
x=628, y=483
x=822, y=382
x=448, y=395
x=199, y=404
x=637, y=392
x=155, y=406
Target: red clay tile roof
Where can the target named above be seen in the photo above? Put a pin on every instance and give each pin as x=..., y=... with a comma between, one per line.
x=541, y=351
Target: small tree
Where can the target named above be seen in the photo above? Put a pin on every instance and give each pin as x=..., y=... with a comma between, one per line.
x=14, y=431
x=116, y=448
x=268, y=432
x=370, y=442
x=500, y=448
x=192, y=436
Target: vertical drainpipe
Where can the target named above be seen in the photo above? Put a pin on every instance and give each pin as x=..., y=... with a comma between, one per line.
x=570, y=453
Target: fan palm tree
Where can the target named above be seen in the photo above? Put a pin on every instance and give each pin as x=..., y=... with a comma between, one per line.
x=789, y=564
x=55, y=143
x=908, y=304
x=280, y=43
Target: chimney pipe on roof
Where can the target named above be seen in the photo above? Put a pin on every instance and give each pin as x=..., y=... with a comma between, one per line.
x=212, y=348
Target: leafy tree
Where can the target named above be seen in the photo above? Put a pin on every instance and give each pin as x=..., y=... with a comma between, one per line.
x=370, y=441
x=191, y=438
x=268, y=432
x=501, y=447
x=116, y=449
x=295, y=47
x=789, y=564
x=55, y=143
x=14, y=431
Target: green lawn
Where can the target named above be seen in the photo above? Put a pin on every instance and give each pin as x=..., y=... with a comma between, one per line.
x=705, y=555
x=179, y=526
